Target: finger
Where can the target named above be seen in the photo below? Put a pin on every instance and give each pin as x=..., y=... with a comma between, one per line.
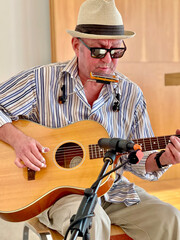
x=39, y=162
x=178, y=131
x=178, y=139
x=176, y=142
x=25, y=163
x=37, y=155
x=45, y=149
x=173, y=157
x=168, y=157
x=32, y=161
x=175, y=149
x=42, y=149
x=19, y=163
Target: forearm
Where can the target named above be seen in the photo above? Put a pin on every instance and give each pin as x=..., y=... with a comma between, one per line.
x=151, y=165
x=9, y=134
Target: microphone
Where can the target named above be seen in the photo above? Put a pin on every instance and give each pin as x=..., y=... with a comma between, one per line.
x=118, y=145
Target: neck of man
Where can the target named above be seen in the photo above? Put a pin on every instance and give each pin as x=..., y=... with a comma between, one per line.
x=92, y=89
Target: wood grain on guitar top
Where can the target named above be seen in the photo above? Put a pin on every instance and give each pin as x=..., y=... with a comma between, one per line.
x=74, y=171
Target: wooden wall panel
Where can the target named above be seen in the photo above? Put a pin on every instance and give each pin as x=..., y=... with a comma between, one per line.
x=63, y=15
x=156, y=25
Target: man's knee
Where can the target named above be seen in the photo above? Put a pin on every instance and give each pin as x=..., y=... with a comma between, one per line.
x=167, y=213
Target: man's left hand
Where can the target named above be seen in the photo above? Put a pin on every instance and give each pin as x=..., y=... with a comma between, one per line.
x=172, y=151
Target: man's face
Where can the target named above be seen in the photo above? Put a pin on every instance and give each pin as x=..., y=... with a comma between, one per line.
x=87, y=64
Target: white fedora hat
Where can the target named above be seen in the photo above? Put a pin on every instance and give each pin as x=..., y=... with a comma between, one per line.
x=100, y=19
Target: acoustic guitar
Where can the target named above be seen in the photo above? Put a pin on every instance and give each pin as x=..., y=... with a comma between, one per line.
x=73, y=164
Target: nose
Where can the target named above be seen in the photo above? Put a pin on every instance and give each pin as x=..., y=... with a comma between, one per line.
x=107, y=58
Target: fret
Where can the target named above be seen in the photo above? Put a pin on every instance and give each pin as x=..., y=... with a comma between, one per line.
x=168, y=139
x=90, y=152
x=144, y=145
x=162, y=142
x=98, y=150
x=101, y=152
x=151, y=148
x=165, y=140
x=158, y=143
x=95, y=151
x=154, y=143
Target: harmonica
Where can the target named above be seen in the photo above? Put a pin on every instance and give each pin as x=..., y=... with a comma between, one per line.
x=103, y=78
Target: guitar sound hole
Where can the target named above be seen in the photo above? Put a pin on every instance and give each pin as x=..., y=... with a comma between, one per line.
x=69, y=155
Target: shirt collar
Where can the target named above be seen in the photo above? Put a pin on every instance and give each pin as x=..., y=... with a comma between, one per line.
x=71, y=68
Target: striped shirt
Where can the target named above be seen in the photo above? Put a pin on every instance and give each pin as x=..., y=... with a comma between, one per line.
x=34, y=94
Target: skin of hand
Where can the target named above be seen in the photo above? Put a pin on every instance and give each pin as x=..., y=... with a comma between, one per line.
x=28, y=150
x=170, y=156
x=29, y=154
x=172, y=151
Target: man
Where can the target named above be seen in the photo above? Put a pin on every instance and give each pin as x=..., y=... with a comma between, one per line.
x=98, y=42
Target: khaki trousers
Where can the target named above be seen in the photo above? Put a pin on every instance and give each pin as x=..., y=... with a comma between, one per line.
x=151, y=219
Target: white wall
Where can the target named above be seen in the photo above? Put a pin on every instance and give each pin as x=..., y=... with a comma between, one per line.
x=24, y=43
x=24, y=35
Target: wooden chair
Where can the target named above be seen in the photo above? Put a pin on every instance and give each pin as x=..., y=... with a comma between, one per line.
x=46, y=233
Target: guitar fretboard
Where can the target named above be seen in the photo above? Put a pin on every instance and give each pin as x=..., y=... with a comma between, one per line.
x=147, y=144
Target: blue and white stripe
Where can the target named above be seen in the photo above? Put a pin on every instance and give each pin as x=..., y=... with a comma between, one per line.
x=34, y=95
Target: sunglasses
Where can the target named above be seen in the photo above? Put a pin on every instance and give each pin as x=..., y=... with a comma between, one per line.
x=101, y=52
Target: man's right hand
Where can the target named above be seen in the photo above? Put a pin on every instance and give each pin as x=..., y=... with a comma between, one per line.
x=28, y=150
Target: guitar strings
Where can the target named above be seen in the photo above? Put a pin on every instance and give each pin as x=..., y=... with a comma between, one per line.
x=149, y=142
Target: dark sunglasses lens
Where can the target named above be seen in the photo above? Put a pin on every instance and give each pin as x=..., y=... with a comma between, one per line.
x=98, y=52
x=117, y=53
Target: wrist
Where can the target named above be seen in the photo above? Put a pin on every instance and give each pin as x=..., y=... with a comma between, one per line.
x=157, y=159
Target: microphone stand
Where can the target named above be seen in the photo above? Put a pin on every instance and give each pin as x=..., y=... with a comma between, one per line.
x=82, y=221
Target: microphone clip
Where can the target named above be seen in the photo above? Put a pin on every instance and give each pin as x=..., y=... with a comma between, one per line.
x=62, y=99
x=116, y=104
x=135, y=157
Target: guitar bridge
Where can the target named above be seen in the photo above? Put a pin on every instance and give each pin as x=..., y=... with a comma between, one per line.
x=31, y=174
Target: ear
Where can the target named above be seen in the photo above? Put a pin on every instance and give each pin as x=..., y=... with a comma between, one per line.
x=75, y=45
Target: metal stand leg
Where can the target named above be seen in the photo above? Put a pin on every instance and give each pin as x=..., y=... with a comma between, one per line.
x=42, y=236
x=26, y=233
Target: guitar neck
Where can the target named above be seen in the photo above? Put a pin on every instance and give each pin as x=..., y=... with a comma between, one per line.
x=154, y=143
x=147, y=144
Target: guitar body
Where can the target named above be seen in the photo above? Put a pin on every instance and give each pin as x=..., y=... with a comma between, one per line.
x=24, y=195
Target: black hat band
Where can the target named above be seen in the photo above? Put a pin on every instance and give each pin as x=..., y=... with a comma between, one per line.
x=100, y=29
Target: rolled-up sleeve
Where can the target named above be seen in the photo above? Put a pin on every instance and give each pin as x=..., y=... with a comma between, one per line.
x=141, y=128
x=18, y=97
x=140, y=170
x=4, y=119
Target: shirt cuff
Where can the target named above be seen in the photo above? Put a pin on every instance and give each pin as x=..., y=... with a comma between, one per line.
x=140, y=169
x=4, y=119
